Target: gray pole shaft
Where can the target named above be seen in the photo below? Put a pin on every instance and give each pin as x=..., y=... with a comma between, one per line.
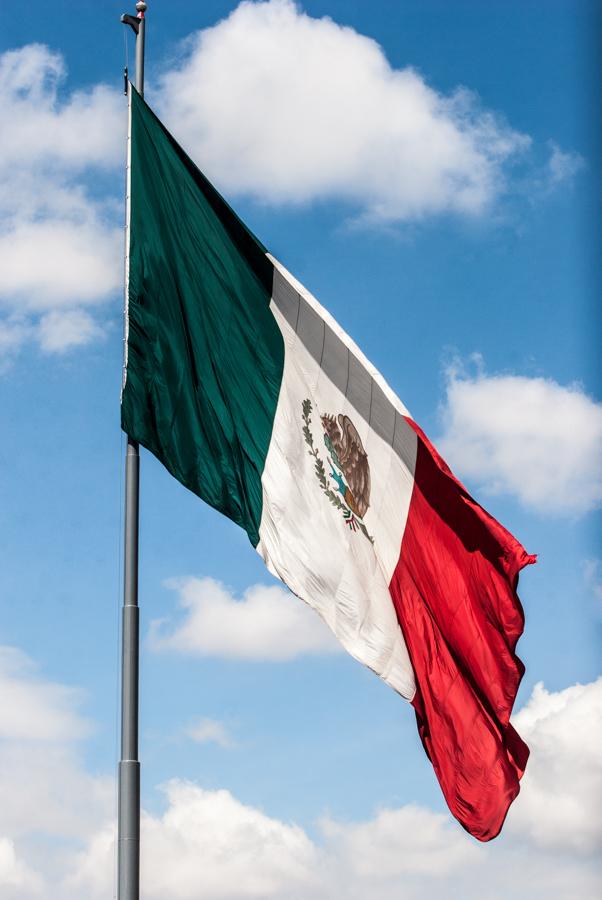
x=140, y=57
x=129, y=767
x=128, y=838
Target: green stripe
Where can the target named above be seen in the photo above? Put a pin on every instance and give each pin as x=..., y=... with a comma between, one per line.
x=205, y=355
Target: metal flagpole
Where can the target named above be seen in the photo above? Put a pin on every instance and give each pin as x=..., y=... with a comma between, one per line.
x=128, y=835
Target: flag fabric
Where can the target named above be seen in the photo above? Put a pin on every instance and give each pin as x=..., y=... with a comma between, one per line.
x=253, y=397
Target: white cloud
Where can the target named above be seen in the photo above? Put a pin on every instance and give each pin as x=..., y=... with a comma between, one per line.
x=91, y=872
x=57, y=827
x=563, y=166
x=275, y=104
x=58, y=263
x=59, y=331
x=209, y=842
x=42, y=782
x=559, y=802
x=60, y=246
x=14, y=873
x=48, y=797
x=531, y=437
x=396, y=843
x=14, y=331
x=263, y=854
x=80, y=131
x=289, y=108
x=34, y=709
x=207, y=731
x=46, y=790
x=268, y=623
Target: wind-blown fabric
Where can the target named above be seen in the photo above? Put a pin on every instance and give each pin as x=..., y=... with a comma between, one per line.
x=254, y=398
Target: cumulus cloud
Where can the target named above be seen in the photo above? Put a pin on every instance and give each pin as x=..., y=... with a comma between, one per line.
x=531, y=437
x=40, y=765
x=563, y=166
x=33, y=708
x=209, y=731
x=208, y=841
x=57, y=826
x=59, y=331
x=47, y=790
x=48, y=796
x=396, y=843
x=274, y=104
x=82, y=130
x=268, y=623
x=60, y=246
x=15, y=875
x=58, y=263
x=263, y=853
x=558, y=805
x=290, y=108
x=14, y=331
x=211, y=842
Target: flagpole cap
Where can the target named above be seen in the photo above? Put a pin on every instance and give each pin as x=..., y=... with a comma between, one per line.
x=141, y=6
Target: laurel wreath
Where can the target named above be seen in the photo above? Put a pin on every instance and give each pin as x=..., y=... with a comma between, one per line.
x=350, y=518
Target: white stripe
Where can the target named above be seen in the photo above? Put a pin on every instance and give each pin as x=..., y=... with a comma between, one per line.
x=349, y=342
x=304, y=538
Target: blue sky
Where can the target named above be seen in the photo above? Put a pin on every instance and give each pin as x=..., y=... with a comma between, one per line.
x=477, y=297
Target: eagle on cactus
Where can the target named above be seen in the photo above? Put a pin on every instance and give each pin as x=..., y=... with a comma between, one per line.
x=348, y=455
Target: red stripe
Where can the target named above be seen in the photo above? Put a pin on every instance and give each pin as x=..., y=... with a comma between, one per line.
x=454, y=590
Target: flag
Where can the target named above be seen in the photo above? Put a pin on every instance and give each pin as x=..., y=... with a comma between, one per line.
x=253, y=397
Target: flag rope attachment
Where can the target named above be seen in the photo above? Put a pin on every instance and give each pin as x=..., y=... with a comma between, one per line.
x=126, y=63
x=128, y=815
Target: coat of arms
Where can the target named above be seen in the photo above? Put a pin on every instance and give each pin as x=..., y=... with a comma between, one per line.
x=347, y=485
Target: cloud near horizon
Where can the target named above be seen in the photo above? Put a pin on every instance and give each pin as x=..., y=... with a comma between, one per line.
x=564, y=732
x=207, y=840
x=210, y=841
x=49, y=798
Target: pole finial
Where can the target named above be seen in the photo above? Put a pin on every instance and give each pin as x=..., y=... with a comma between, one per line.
x=141, y=6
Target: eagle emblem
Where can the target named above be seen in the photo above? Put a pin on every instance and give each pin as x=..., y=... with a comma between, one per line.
x=349, y=462
x=347, y=485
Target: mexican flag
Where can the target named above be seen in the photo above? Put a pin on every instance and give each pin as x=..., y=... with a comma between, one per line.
x=253, y=397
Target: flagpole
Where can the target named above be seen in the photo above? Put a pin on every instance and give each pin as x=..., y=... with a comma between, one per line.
x=128, y=827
